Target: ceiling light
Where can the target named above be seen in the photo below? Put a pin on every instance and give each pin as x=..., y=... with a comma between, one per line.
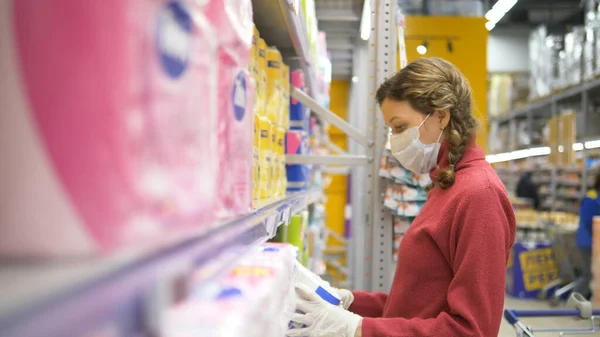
x=593, y=144
x=496, y=13
x=365, y=22
x=561, y=149
x=520, y=154
x=354, y=79
x=578, y=147
x=422, y=48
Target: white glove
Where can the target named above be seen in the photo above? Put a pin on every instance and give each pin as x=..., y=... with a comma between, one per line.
x=321, y=318
x=346, y=297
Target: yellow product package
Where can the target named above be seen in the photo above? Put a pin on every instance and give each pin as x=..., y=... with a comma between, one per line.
x=285, y=94
x=253, y=52
x=281, y=151
x=275, y=160
x=265, y=149
x=273, y=103
x=261, y=73
x=256, y=162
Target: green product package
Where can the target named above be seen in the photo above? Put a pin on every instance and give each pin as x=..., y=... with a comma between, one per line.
x=296, y=232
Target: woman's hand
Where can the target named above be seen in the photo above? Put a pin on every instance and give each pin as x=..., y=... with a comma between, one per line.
x=321, y=318
x=346, y=297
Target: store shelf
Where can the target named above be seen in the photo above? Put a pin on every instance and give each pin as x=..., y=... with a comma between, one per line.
x=546, y=102
x=76, y=298
x=569, y=183
x=568, y=196
x=281, y=24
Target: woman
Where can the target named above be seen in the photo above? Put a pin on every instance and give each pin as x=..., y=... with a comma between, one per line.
x=450, y=275
x=590, y=207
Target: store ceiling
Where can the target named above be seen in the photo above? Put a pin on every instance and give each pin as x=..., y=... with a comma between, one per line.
x=340, y=20
x=556, y=14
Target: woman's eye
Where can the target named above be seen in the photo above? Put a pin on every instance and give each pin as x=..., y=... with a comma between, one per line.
x=399, y=128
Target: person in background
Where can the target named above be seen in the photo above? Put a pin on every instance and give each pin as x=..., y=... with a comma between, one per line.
x=451, y=271
x=590, y=207
x=527, y=189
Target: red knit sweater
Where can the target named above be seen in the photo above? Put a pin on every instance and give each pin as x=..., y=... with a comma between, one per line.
x=451, y=268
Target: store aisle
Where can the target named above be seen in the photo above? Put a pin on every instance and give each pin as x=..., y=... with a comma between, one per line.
x=553, y=322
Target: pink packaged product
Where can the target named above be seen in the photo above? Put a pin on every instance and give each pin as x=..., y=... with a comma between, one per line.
x=256, y=299
x=107, y=111
x=233, y=22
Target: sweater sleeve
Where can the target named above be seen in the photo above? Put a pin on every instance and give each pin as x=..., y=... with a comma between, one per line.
x=368, y=304
x=481, y=236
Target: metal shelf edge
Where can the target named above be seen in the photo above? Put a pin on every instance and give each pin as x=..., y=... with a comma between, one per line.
x=77, y=304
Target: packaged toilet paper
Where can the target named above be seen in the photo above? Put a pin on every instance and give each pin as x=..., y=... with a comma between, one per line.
x=298, y=175
x=255, y=299
x=106, y=117
x=299, y=114
x=236, y=94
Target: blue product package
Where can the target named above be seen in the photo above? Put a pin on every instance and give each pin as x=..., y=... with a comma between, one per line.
x=298, y=175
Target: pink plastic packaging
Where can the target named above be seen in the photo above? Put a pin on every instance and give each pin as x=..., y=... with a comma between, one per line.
x=107, y=111
x=233, y=22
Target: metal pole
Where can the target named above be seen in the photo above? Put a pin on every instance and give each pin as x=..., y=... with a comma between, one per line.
x=380, y=218
x=584, y=116
x=351, y=160
x=328, y=116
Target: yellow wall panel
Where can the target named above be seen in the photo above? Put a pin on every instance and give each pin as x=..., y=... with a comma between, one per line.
x=469, y=53
x=337, y=189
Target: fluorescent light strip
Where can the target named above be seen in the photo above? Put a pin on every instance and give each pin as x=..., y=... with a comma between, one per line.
x=593, y=144
x=365, y=22
x=537, y=151
x=520, y=154
x=497, y=12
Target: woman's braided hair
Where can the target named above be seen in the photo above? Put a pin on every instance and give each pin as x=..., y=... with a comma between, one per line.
x=430, y=85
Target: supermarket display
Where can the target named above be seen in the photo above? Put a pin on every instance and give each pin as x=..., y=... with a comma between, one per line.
x=235, y=99
x=111, y=151
x=405, y=195
x=543, y=263
x=166, y=158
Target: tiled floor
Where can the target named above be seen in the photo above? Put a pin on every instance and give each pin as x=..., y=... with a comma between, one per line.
x=555, y=322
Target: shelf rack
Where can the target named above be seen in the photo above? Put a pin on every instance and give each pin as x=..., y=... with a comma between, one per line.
x=125, y=294
x=282, y=24
x=82, y=298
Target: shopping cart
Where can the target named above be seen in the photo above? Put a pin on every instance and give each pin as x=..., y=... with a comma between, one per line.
x=577, y=306
x=569, y=263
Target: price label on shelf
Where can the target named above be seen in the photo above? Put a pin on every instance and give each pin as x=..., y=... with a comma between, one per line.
x=286, y=215
x=271, y=225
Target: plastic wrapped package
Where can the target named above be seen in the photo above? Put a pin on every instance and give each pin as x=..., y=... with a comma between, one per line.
x=256, y=299
x=299, y=114
x=233, y=21
x=554, y=56
x=589, y=53
x=107, y=113
x=574, y=42
x=540, y=85
x=298, y=175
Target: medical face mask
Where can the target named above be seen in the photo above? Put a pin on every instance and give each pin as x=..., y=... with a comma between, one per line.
x=412, y=153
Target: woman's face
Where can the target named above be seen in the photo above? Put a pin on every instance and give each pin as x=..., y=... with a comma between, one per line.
x=400, y=116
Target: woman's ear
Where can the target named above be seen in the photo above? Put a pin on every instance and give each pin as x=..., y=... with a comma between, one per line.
x=443, y=118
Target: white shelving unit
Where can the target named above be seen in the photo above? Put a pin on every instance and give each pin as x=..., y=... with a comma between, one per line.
x=125, y=294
